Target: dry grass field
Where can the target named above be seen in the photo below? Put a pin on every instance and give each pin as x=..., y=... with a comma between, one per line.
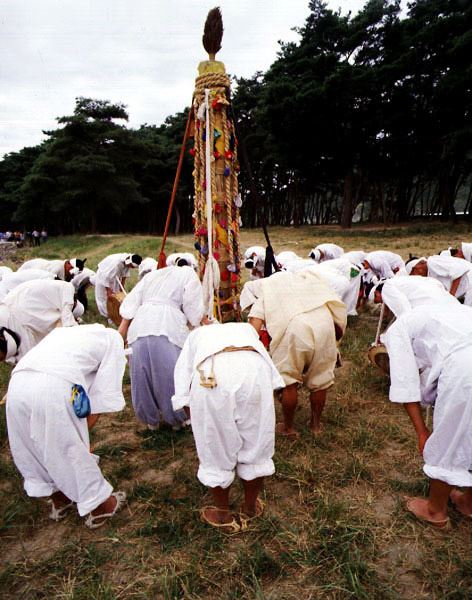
x=334, y=527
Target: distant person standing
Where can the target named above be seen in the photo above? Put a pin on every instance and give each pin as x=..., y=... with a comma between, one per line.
x=44, y=235
x=36, y=238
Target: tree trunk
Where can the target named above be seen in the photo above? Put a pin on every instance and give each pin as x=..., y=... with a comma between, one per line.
x=346, y=212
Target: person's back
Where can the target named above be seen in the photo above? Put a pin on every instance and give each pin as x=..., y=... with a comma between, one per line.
x=35, y=308
x=49, y=430
x=13, y=280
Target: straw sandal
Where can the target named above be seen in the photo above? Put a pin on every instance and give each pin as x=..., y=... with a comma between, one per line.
x=95, y=521
x=231, y=527
x=57, y=514
x=260, y=506
x=444, y=524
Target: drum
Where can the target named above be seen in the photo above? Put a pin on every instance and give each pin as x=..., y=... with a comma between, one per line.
x=378, y=356
x=113, y=307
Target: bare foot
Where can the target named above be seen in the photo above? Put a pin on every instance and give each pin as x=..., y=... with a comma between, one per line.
x=289, y=433
x=421, y=509
x=462, y=502
x=315, y=427
x=255, y=510
x=105, y=507
x=59, y=500
x=212, y=514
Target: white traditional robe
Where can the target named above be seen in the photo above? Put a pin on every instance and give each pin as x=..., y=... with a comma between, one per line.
x=162, y=303
x=401, y=294
x=329, y=251
x=49, y=443
x=467, y=251
x=13, y=280
x=85, y=275
x=147, y=265
x=234, y=422
x=109, y=272
x=56, y=267
x=257, y=253
x=448, y=268
x=356, y=257
x=173, y=259
x=385, y=264
x=430, y=351
x=4, y=272
x=35, y=308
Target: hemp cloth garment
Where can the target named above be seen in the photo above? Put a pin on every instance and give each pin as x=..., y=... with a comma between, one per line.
x=437, y=340
x=401, y=294
x=111, y=269
x=233, y=423
x=49, y=443
x=13, y=280
x=35, y=308
x=448, y=268
x=160, y=307
x=286, y=295
x=56, y=267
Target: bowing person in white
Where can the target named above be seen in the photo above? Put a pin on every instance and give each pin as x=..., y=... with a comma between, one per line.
x=226, y=378
x=455, y=274
x=13, y=280
x=35, y=308
x=401, y=294
x=154, y=321
x=147, y=265
x=430, y=351
x=112, y=273
x=384, y=264
x=48, y=441
x=324, y=252
x=61, y=269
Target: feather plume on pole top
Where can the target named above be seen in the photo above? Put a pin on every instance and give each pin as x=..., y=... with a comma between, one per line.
x=213, y=32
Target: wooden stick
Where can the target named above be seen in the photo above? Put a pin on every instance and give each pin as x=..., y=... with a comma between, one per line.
x=162, y=256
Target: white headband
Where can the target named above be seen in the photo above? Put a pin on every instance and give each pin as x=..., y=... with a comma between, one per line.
x=129, y=261
x=412, y=264
x=315, y=255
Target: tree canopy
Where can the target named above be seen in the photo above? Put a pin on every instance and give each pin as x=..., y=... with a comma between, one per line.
x=366, y=115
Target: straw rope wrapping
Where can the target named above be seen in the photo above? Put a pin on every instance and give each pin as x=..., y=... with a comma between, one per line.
x=219, y=84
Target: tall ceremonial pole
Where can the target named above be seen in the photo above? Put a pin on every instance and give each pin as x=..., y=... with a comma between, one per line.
x=216, y=168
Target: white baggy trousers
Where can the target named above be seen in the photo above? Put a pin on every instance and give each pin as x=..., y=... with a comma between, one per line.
x=50, y=444
x=234, y=423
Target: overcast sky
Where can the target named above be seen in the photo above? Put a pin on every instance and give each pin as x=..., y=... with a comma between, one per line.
x=143, y=53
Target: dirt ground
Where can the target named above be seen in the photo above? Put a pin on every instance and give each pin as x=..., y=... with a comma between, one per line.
x=334, y=526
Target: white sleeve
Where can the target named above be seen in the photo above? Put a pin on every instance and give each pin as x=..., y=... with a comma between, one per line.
x=131, y=303
x=106, y=391
x=192, y=303
x=67, y=305
x=447, y=266
x=183, y=374
x=386, y=270
x=395, y=299
x=257, y=310
x=404, y=373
